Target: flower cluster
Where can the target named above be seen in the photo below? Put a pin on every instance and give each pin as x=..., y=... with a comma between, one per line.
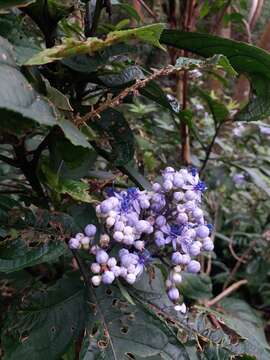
x=139, y=226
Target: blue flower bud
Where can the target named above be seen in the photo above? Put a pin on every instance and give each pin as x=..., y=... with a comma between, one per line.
x=102, y=257
x=202, y=231
x=173, y=294
x=194, y=266
x=108, y=277
x=90, y=230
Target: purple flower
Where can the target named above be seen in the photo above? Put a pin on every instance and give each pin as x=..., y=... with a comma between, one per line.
x=239, y=178
x=265, y=130
x=143, y=224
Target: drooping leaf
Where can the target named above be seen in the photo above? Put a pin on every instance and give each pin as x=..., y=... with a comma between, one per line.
x=71, y=47
x=20, y=106
x=245, y=59
x=59, y=100
x=44, y=324
x=75, y=136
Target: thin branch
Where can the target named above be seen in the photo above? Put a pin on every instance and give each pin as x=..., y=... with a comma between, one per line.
x=239, y=263
x=147, y=8
x=91, y=22
x=219, y=20
x=9, y=161
x=38, y=151
x=226, y=292
x=209, y=260
x=210, y=148
x=12, y=191
x=235, y=255
x=139, y=84
x=29, y=171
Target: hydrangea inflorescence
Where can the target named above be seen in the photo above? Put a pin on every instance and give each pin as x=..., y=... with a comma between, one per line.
x=144, y=225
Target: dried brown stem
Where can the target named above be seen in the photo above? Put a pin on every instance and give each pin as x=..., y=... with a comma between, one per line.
x=235, y=255
x=239, y=263
x=139, y=84
x=226, y=292
x=147, y=8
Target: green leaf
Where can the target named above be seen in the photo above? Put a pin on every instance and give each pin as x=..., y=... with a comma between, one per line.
x=46, y=14
x=240, y=317
x=71, y=47
x=71, y=162
x=221, y=61
x=127, y=75
x=21, y=108
x=44, y=324
x=240, y=320
x=119, y=331
x=154, y=92
x=17, y=255
x=113, y=124
x=88, y=64
x=5, y=4
x=59, y=100
x=219, y=111
x=135, y=176
x=197, y=287
x=131, y=11
x=19, y=34
x=245, y=59
x=75, y=136
x=218, y=61
x=125, y=293
x=82, y=215
x=76, y=189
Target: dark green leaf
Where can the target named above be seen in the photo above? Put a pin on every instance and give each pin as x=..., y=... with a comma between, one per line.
x=113, y=124
x=128, y=74
x=17, y=255
x=20, y=106
x=76, y=189
x=45, y=323
x=135, y=176
x=196, y=286
x=219, y=111
x=18, y=34
x=245, y=59
x=75, y=136
x=118, y=331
